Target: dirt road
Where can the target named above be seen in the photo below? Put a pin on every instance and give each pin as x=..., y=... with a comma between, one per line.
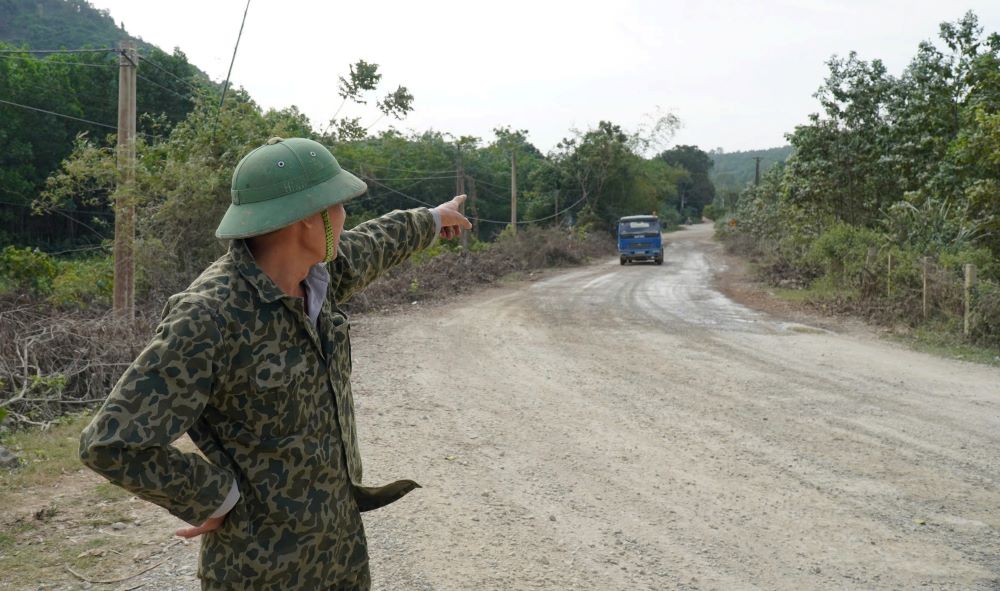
x=613, y=428
x=630, y=428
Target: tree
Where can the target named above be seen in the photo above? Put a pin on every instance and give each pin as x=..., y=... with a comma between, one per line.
x=362, y=80
x=696, y=189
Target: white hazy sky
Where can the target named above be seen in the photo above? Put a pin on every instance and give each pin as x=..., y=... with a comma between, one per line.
x=738, y=74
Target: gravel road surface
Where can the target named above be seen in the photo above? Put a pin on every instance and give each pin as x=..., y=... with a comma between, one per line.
x=616, y=427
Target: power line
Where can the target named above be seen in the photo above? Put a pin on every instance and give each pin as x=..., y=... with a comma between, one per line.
x=157, y=84
x=408, y=170
x=411, y=178
x=401, y=194
x=483, y=220
x=65, y=209
x=81, y=249
x=225, y=86
x=59, y=114
x=171, y=74
x=57, y=50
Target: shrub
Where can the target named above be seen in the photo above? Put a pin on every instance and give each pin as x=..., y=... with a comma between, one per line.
x=985, y=315
x=713, y=211
x=842, y=251
x=83, y=283
x=27, y=269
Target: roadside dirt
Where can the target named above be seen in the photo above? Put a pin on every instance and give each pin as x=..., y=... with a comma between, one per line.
x=614, y=427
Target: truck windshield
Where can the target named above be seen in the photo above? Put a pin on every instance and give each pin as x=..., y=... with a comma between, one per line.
x=639, y=227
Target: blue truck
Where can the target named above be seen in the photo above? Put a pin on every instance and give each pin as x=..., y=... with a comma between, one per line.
x=639, y=239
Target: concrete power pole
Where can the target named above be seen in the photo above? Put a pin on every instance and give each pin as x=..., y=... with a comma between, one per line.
x=513, y=191
x=124, y=283
x=555, y=212
x=460, y=190
x=472, y=206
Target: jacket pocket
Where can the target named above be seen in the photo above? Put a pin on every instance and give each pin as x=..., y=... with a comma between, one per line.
x=275, y=401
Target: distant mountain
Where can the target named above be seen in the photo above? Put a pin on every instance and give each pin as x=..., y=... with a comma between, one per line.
x=733, y=171
x=71, y=24
x=55, y=24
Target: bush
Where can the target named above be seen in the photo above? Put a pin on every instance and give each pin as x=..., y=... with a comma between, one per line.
x=27, y=269
x=713, y=211
x=985, y=316
x=84, y=283
x=454, y=270
x=842, y=251
x=670, y=218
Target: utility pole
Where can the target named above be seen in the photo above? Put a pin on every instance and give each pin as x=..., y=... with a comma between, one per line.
x=460, y=190
x=555, y=213
x=756, y=174
x=472, y=206
x=513, y=191
x=124, y=282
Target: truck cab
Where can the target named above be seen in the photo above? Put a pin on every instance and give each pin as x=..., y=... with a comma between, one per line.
x=639, y=239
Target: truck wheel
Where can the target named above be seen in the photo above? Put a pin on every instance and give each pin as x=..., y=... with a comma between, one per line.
x=659, y=260
x=622, y=259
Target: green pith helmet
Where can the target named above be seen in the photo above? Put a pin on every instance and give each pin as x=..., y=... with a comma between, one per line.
x=282, y=182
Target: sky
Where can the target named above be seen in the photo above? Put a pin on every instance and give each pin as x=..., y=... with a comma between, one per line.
x=738, y=74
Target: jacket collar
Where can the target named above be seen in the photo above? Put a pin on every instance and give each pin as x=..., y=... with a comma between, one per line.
x=247, y=266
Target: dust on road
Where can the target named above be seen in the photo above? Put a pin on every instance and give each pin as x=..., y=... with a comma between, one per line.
x=631, y=428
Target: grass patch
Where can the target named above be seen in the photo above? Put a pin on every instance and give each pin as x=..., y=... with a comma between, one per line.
x=110, y=492
x=940, y=339
x=45, y=455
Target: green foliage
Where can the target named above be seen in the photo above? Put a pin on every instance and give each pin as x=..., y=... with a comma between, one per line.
x=364, y=78
x=713, y=211
x=604, y=169
x=83, y=283
x=27, y=269
x=894, y=169
x=985, y=319
x=842, y=251
x=696, y=189
x=58, y=23
x=732, y=172
x=35, y=143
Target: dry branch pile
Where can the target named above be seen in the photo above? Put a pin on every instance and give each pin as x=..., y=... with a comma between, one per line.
x=54, y=361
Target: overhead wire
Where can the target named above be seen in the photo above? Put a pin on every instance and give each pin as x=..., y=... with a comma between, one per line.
x=97, y=50
x=187, y=83
x=225, y=86
x=484, y=220
x=115, y=127
x=157, y=84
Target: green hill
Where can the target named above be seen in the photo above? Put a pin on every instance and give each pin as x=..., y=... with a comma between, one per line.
x=48, y=100
x=731, y=172
x=54, y=24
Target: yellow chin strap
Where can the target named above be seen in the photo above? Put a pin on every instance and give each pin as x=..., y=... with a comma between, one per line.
x=331, y=249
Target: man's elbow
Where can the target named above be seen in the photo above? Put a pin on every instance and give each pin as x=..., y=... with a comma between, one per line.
x=99, y=457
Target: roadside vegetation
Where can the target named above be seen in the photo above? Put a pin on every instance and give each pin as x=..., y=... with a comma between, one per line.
x=890, y=193
x=60, y=348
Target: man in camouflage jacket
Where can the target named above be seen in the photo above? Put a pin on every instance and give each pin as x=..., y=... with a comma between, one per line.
x=253, y=362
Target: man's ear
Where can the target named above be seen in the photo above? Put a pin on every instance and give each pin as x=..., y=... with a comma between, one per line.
x=309, y=222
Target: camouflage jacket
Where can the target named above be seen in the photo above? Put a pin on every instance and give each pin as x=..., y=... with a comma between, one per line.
x=266, y=396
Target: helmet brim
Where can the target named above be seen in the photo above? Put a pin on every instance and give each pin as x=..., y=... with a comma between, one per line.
x=254, y=219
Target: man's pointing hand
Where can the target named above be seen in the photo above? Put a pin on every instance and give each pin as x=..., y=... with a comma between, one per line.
x=452, y=220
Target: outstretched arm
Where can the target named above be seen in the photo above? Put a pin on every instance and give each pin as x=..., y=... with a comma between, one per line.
x=376, y=246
